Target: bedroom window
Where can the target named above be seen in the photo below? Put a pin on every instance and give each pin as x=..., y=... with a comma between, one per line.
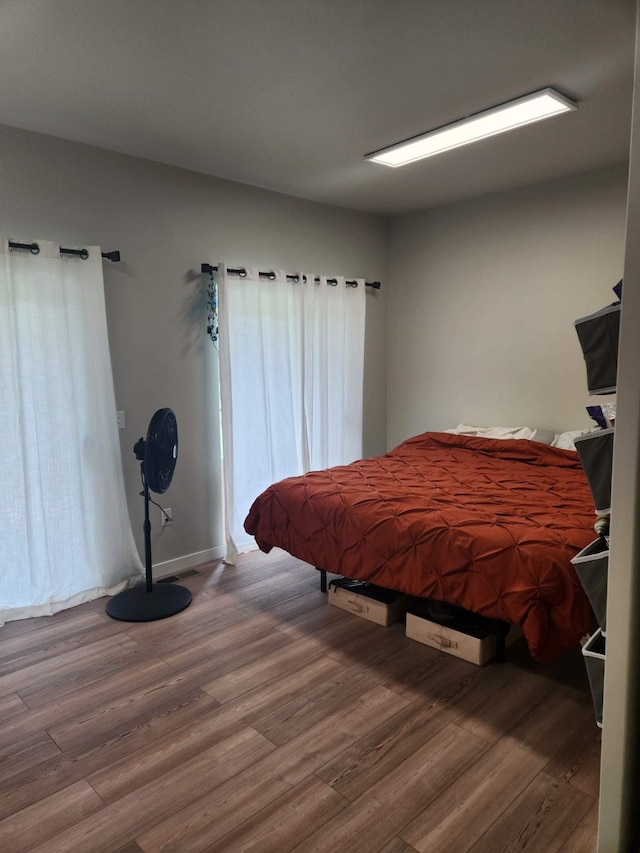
x=291, y=379
x=65, y=535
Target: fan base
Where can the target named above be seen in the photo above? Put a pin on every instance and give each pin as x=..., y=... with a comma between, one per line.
x=138, y=605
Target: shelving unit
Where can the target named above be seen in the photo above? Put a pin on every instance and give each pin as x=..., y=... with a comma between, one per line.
x=598, y=335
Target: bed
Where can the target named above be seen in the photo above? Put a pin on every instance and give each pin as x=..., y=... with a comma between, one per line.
x=486, y=524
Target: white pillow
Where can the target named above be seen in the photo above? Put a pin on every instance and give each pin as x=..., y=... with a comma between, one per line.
x=543, y=436
x=493, y=432
x=566, y=440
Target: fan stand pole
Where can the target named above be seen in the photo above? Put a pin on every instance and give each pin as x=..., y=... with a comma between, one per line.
x=148, y=601
x=147, y=536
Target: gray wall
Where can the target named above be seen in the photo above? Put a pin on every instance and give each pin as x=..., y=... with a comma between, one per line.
x=165, y=222
x=483, y=298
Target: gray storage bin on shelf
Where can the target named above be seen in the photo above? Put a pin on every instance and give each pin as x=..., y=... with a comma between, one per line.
x=592, y=567
x=598, y=335
x=595, y=451
x=594, y=656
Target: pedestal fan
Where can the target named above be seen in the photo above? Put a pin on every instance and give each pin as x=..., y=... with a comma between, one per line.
x=149, y=601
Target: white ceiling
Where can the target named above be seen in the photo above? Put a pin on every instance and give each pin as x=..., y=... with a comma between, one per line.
x=290, y=94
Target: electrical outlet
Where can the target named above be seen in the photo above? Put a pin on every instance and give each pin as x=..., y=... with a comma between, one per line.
x=167, y=516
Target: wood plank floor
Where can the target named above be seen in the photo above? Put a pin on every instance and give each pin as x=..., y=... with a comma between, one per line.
x=263, y=719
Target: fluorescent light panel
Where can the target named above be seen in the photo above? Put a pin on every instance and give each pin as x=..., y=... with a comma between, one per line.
x=530, y=108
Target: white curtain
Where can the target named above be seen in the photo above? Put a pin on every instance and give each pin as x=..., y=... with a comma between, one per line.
x=291, y=383
x=65, y=535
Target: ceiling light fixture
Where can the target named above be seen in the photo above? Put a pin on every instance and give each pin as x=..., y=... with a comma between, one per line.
x=530, y=108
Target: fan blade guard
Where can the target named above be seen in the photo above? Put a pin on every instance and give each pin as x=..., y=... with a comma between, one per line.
x=161, y=450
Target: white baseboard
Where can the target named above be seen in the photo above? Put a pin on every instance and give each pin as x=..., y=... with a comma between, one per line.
x=189, y=561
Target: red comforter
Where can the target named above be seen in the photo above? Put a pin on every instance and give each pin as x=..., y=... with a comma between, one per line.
x=490, y=525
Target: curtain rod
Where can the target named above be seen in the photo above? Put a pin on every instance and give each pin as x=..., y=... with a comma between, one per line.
x=83, y=253
x=207, y=268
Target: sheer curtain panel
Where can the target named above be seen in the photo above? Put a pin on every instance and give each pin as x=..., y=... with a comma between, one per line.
x=65, y=535
x=291, y=383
